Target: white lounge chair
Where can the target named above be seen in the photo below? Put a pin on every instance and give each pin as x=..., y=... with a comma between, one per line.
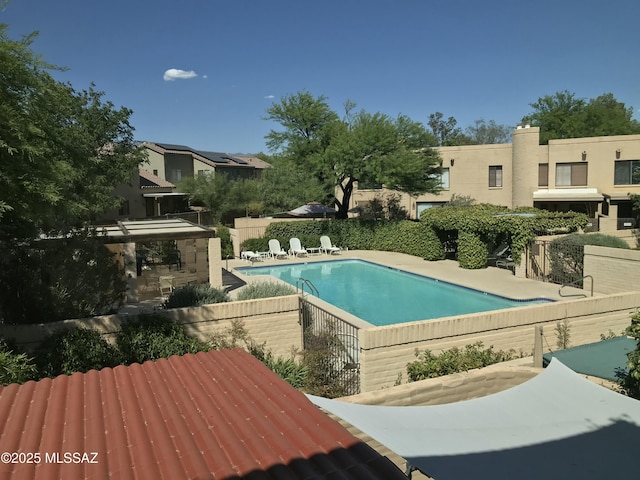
x=296, y=248
x=327, y=247
x=275, y=250
x=251, y=256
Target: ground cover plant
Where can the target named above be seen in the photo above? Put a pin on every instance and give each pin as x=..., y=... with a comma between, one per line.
x=194, y=296
x=455, y=360
x=265, y=290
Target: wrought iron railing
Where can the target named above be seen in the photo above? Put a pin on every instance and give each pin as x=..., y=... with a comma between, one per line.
x=332, y=345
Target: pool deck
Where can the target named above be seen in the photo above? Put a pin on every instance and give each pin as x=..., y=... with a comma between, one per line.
x=497, y=281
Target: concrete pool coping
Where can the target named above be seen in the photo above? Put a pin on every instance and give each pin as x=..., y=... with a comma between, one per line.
x=492, y=280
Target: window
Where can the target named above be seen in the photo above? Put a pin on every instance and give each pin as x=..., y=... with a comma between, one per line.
x=627, y=172
x=495, y=176
x=444, y=179
x=571, y=174
x=176, y=175
x=155, y=172
x=543, y=174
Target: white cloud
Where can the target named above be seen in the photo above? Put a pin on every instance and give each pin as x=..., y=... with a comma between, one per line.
x=269, y=97
x=177, y=74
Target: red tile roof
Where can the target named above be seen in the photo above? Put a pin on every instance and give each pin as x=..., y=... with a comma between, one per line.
x=215, y=415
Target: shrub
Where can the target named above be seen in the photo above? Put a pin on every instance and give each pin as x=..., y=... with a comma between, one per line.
x=256, y=245
x=472, y=251
x=226, y=245
x=195, y=295
x=454, y=360
x=567, y=254
x=73, y=350
x=150, y=337
x=71, y=277
x=15, y=367
x=265, y=290
x=629, y=380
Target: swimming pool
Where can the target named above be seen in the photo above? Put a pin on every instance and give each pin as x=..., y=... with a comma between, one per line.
x=384, y=296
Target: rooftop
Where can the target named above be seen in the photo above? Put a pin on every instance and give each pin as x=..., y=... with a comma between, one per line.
x=216, y=415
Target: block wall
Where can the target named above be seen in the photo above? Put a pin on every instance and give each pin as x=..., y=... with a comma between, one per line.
x=386, y=351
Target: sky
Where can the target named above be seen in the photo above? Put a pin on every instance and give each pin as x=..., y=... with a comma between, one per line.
x=203, y=73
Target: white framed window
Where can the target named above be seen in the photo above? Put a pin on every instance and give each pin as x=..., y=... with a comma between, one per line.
x=571, y=174
x=444, y=179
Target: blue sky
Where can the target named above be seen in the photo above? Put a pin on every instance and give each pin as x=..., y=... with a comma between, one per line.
x=464, y=58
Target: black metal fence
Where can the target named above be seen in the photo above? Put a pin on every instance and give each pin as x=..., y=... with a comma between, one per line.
x=331, y=344
x=554, y=263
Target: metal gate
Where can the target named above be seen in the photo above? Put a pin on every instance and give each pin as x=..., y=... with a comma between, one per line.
x=554, y=263
x=331, y=350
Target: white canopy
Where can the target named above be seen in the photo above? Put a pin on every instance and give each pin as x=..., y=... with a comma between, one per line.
x=557, y=425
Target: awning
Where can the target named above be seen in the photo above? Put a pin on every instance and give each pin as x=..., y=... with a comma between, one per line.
x=568, y=195
x=154, y=230
x=557, y=425
x=164, y=194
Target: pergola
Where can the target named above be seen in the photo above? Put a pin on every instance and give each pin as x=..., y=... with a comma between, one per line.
x=126, y=234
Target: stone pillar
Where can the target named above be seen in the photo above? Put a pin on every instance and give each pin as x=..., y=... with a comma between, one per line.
x=527, y=153
x=129, y=258
x=215, y=263
x=537, y=347
x=201, y=255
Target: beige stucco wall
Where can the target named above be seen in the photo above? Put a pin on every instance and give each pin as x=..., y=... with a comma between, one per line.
x=613, y=269
x=385, y=351
x=156, y=162
x=469, y=173
x=600, y=155
x=273, y=320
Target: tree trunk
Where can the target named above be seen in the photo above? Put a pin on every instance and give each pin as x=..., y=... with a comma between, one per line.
x=343, y=204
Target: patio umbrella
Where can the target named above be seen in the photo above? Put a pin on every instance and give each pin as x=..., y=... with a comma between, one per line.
x=312, y=209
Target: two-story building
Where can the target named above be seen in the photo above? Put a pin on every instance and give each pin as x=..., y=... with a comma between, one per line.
x=591, y=175
x=153, y=190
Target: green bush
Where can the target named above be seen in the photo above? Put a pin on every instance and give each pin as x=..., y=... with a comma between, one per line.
x=150, y=337
x=194, y=296
x=256, y=245
x=566, y=254
x=403, y=236
x=15, y=367
x=629, y=380
x=472, y=251
x=226, y=245
x=73, y=350
x=455, y=360
x=265, y=290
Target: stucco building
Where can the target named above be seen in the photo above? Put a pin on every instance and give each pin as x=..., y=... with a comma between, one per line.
x=591, y=175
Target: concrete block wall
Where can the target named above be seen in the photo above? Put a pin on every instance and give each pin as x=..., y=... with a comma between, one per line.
x=613, y=269
x=272, y=320
x=386, y=351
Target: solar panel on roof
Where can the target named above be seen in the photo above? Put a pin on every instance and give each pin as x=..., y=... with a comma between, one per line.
x=213, y=156
x=171, y=146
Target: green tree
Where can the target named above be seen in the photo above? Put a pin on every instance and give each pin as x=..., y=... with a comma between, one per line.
x=223, y=196
x=62, y=152
x=487, y=133
x=287, y=185
x=446, y=132
x=363, y=146
x=563, y=115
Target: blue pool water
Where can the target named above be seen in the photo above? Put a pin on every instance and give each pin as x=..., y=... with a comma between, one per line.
x=385, y=296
